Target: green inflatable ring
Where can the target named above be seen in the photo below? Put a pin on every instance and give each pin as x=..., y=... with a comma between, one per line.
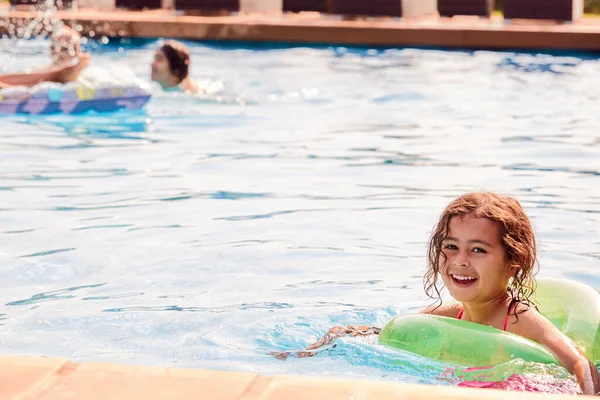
x=573, y=307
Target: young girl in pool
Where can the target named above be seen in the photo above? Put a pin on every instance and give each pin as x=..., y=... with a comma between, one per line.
x=483, y=249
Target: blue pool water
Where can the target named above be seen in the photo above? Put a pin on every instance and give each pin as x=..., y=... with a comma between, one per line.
x=207, y=232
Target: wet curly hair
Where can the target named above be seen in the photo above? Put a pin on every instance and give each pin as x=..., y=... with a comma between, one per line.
x=517, y=238
x=178, y=57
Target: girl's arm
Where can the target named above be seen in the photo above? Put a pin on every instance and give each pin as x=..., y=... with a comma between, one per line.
x=535, y=327
x=23, y=79
x=62, y=74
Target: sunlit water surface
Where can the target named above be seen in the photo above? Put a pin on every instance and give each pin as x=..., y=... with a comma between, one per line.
x=207, y=232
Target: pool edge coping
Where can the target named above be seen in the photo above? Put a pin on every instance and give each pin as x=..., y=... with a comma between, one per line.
x=34, y=378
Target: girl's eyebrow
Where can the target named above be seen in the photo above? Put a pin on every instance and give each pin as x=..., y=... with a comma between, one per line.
x=474, y=241
x=483, y=242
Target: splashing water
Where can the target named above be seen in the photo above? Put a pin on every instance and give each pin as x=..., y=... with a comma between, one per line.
x=42, y=25
x=517, y=375
x=529, y=383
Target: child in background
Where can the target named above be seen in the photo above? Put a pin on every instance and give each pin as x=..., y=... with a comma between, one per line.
x=68, y=61
x=170, y=68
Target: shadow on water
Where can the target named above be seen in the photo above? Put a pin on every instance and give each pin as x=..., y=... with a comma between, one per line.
x=118, y=125
x=540, y=63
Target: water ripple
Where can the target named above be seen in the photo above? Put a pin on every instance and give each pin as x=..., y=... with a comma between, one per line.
x=48, y=252
x=219, y=195
x=267, y=306
x=54, y=295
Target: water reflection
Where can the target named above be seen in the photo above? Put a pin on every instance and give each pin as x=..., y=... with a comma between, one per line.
x=124, y=125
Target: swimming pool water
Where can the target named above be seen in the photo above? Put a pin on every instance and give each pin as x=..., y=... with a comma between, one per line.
x=207, y=232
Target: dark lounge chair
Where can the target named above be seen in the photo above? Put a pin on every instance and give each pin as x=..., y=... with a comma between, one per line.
x=560, y=10
x=207, y=6
x=450, y=8
x=322, y=6
x=138, y=4
x=371, y=8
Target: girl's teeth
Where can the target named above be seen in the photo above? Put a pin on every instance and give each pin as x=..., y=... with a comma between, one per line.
x=463, y=278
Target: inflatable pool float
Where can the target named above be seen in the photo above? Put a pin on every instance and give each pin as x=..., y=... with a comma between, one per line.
x=96, y=89
x=574, y=308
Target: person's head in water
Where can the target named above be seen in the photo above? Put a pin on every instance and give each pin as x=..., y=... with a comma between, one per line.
x=171, y=64
x=65, y=45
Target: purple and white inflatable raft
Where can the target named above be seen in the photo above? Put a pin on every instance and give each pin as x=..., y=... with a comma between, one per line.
x=95, y=90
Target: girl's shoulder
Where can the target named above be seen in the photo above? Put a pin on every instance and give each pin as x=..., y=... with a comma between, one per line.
x=525, y=318
x=190, y=85
x=450, y=310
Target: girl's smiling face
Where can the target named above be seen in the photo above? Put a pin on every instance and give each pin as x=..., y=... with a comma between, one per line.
x=475, y=268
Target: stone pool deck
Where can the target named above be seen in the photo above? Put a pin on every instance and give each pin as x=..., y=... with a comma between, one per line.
x=33, y=378
x=459, y=32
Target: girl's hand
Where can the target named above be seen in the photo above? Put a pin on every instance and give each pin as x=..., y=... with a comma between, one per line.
x=585, y=368
x=70, y=72
x=534, y=326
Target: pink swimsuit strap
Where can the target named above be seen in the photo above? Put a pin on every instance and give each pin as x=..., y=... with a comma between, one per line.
x=512, y=308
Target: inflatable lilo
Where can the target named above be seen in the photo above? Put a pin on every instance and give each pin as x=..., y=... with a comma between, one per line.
x=574, y=308
x=95, y=90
